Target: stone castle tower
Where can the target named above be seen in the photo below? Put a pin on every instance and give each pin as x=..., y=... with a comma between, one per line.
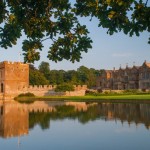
x=13, y=77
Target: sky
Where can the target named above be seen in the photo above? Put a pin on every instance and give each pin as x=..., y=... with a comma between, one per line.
x=107, y=51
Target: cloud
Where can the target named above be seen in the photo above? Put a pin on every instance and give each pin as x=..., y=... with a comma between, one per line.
x=121, y=54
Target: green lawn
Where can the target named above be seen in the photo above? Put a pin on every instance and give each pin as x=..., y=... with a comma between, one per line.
x=80, y=98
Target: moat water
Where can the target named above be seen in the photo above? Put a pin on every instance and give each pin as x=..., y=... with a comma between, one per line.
x=74, y=126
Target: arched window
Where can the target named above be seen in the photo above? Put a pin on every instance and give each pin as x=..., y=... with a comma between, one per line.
x=2, y=88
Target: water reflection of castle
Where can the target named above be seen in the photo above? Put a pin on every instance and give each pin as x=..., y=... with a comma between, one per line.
x=127, y=112
x=14, y=117
x=13, y=120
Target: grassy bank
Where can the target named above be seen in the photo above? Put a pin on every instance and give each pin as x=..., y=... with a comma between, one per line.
x=86, y=98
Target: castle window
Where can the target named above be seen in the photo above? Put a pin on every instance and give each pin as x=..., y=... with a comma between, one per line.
x=1, y=110
x=143, y=75
x=2, y=88
x=100, y=83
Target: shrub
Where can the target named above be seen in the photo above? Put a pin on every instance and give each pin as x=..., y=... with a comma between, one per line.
x=64, y=88
x=26, y=95
x=91, y=93
x=131, y=91
x=106, y=92
x=99, y=90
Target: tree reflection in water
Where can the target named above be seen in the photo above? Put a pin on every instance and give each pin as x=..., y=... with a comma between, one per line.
x=16, y=119
x=124, y=112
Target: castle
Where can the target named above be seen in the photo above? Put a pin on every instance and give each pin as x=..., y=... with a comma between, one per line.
x=14, y=80
x=12, y=126
x=136, y=77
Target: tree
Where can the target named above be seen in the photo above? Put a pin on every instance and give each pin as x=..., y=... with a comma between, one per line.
x=52, y=77
x=56, y=77
x=64, y=88
x=42, y=20
x=83, y=74
x=87, y=76
x=71, y=76
x=44, y=68
x=56, y=20
x=36, y=77
x=114, y=14
x=60, y=77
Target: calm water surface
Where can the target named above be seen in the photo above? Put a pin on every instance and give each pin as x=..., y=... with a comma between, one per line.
x=74, y=126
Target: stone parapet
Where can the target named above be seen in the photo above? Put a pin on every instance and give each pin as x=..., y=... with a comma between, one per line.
x=44, y=90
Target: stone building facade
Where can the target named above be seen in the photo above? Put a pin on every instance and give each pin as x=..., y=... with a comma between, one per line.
x=105, y=80
x=136, y=77
x=144, y=76
x=13, y=76
x=14, y=80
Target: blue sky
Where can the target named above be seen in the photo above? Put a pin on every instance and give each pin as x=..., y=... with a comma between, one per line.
x=107, y=52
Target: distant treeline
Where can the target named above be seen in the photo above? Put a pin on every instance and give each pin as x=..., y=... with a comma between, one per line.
x=44, y=76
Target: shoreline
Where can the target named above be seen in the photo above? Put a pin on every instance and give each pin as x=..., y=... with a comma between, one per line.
x=116, y=98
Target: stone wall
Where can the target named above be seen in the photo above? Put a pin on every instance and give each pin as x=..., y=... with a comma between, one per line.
x=49, y=90
x=13, y=76
x=44, y=91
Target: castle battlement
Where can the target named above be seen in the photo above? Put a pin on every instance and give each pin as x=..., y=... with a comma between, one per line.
x=50, y=87
x=80, y=87
x=14, y=64
x=11, y=62
x=40, y=87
